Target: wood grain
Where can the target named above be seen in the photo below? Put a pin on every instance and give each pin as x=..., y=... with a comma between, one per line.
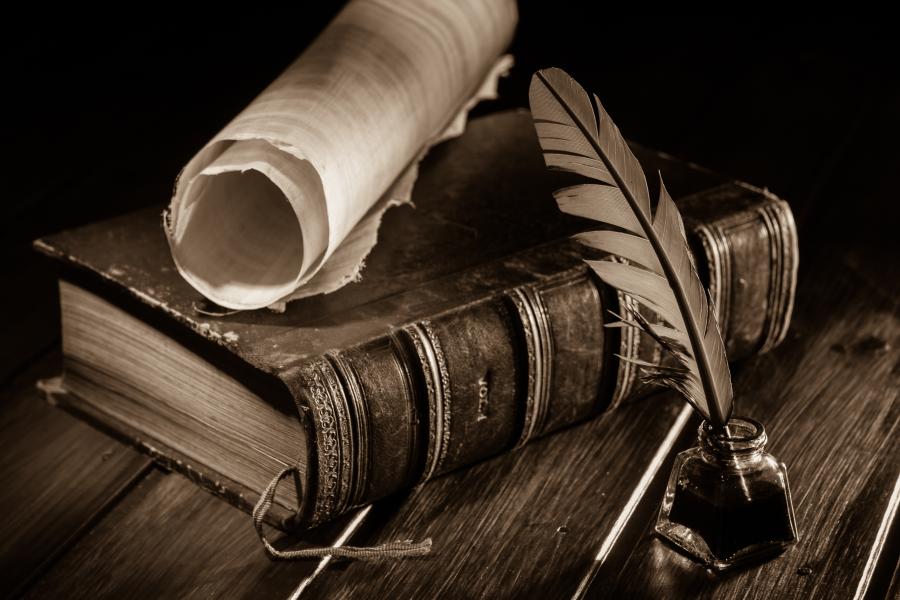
x=828, y=399
x=59, y=475
x=525, y=524
x=828, y=396
x=170, y=539
x=838, y=367
x=771, y=105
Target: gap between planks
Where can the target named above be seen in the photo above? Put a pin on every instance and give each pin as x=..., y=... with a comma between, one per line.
x=637, y=495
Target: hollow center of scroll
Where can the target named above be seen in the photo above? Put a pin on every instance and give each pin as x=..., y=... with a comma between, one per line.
x=241, y=239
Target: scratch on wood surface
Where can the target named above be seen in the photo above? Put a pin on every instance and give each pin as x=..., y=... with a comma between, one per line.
x=340, y=541
x=639, y=490
x=51, y=387
x=880, y=538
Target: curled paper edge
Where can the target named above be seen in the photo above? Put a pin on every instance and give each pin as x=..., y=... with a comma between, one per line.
x=346, y=263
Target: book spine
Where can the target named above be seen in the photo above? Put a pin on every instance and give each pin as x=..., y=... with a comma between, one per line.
x=483, y=378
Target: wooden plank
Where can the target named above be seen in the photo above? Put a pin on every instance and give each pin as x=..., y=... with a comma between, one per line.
x=525, y=524
x=828, y=398
x=58, y=474
x=170, y=539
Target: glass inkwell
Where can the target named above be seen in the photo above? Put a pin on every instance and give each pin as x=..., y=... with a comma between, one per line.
x=727, y=502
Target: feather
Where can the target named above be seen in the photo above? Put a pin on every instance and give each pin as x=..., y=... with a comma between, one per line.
x=658, y=271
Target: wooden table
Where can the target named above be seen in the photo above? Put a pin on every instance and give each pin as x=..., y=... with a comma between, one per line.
x=570, y=514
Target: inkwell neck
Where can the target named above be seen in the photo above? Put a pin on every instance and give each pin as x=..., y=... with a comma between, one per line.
x=742, y=445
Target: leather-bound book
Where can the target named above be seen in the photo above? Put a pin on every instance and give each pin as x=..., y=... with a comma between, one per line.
x=475, y=328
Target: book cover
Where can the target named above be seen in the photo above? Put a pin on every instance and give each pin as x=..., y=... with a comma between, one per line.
x=475, y=328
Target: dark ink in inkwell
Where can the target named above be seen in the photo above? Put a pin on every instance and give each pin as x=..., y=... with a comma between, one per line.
x=728, y=501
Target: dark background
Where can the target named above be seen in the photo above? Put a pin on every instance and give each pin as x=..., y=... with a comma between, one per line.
x=99, y=118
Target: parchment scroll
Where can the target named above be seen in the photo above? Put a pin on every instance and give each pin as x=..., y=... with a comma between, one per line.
x=286, y=200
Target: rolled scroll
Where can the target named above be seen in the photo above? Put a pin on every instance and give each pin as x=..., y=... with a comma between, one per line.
x=286, y=200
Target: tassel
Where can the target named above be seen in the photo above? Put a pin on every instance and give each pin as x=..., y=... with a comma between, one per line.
x=391, y=550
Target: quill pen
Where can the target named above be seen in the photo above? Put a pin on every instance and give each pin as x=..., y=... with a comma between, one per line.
x=578, y=136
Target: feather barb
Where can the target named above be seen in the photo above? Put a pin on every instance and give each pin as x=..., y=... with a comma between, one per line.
x=578, y=136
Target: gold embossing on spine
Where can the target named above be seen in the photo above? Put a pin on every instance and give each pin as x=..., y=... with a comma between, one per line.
x=359, y=422
x=437, y=386
x=334, y=443
x=539, y=350
x=785, y=256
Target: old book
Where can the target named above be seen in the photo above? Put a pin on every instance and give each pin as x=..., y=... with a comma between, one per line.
x=475, y=329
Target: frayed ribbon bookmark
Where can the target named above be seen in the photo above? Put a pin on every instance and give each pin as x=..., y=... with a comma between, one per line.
x=399, y=549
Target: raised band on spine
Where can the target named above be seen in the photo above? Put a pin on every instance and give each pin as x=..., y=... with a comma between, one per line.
x=334, y=442
x=629, y=349
x=539, y=350
x=784, y=254
x=437, y=386
x=359, y=422
x=718, y=259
